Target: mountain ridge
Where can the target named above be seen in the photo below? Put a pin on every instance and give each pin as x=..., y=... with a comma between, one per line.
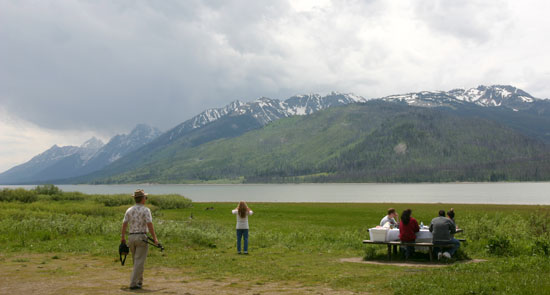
x=69, y=161
x=238, y=118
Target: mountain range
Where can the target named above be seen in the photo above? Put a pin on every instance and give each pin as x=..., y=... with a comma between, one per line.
x=486, y=133
x=71, y=161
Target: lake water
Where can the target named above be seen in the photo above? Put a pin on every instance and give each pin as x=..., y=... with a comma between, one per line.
x=474, y=193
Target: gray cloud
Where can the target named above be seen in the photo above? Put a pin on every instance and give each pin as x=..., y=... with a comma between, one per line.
x=106, y=65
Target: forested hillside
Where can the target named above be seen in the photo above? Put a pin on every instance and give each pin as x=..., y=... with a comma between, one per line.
x=372, y=142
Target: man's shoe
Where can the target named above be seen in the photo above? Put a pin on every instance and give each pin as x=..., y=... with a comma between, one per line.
x=439, y=254
x=135, y=287
x=447, y=255
x=239, y=253
x=245, y=253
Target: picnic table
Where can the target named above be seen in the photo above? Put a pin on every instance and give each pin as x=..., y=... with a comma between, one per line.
x=423, y=239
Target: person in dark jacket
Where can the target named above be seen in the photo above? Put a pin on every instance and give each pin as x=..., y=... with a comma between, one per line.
x=443, y=230
x=408, y=227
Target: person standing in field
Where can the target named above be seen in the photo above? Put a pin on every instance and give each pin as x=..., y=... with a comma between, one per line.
x=242, y=211
x=140, y=221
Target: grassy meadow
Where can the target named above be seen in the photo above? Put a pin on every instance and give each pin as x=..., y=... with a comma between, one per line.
x=299, y=243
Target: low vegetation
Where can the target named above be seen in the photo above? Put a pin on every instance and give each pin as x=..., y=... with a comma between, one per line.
x=301, y=243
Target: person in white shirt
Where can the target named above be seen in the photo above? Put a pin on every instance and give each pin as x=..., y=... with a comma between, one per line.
x=140, y=220
x=242, y=211
x=391, y=218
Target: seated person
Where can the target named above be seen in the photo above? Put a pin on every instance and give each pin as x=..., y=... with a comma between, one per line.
x=408, y=227
x=390, y=218
x=451, y=216
x=443, y=230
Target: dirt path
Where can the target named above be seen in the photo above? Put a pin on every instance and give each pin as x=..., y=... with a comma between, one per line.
x=71, y=274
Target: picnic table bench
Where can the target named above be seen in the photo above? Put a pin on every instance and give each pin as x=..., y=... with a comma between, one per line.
x=429, y=245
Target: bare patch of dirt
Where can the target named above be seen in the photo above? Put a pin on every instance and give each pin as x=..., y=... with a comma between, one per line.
x=71, y=274
x=408, y=264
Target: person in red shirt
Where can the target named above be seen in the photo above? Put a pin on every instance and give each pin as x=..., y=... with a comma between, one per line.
x=408, y=227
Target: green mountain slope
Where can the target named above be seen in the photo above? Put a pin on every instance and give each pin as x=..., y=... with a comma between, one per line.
x=376, y=141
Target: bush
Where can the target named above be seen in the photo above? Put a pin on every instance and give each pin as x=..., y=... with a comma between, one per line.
x=541, y=246
x=72, y=196
x=113, y=200
x=19, y=194
x=47, y=189
x=160, y=201
x=169, y=201
x=499, y=245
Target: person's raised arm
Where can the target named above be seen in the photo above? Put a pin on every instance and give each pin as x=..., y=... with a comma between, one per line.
x=152, y=231
x=250, y=212
x=431, y=227
x=234, y=211
x=123, y=232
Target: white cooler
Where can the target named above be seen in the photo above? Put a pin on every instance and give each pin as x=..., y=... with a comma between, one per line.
x=378, y=234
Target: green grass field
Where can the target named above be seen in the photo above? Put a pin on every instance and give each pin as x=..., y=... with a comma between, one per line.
x=300, y=243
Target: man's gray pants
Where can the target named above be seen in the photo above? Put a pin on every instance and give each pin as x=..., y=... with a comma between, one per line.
x=139, y=253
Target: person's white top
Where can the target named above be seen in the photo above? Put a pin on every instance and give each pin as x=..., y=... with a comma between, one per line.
x=242, y=223
x=138, y=216
x=387, y=219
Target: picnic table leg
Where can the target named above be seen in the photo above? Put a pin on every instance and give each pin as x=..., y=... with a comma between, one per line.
x=431, y=250
x=394, y=249
x=389, y=252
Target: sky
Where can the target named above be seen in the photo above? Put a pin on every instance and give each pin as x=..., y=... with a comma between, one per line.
x=72, y=69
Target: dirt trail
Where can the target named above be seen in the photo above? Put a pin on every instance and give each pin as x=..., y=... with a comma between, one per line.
x=71, y=274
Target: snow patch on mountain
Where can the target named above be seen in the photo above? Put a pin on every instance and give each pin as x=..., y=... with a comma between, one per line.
x=266, y=110
x=486, y=96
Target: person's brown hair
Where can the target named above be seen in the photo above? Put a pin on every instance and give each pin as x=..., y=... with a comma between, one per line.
x=406, y=216
x=243, y=209
x=390, y=211
x=451, y=214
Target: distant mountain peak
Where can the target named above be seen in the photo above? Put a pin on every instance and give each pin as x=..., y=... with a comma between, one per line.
x=265, y=109
x=92, y=143
x=482, y=95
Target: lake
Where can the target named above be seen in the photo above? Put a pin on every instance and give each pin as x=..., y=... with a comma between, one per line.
x=474, y=193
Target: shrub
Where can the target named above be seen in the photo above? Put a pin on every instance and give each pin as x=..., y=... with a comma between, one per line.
x=72, y=196
x=113, y=200
x=47, y=189
x=19, y=194
x=541, y=246
x=169, y=201
x=498, y=245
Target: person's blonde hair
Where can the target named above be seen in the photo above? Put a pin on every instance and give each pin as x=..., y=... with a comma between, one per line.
x=243, y=209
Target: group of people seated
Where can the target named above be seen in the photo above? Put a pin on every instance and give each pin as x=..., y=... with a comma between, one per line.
x=442, y=228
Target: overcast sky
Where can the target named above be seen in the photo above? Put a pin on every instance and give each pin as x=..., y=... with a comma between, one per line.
x=73, y=69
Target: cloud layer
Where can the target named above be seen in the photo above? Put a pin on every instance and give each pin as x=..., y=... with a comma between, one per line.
x=106, y=65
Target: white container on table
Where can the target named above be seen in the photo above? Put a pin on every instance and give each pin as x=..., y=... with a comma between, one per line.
x=378, y=234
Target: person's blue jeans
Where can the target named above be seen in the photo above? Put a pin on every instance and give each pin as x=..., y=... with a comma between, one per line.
x=452, y=251
x=242, y=233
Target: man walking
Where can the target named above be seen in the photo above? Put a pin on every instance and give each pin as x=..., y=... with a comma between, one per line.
x=443, y=230
x=140, y=220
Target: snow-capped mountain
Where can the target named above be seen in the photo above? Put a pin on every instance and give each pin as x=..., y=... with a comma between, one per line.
x=485, y=96
x=121, y=145
x=265, y=110
x=69, y=161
